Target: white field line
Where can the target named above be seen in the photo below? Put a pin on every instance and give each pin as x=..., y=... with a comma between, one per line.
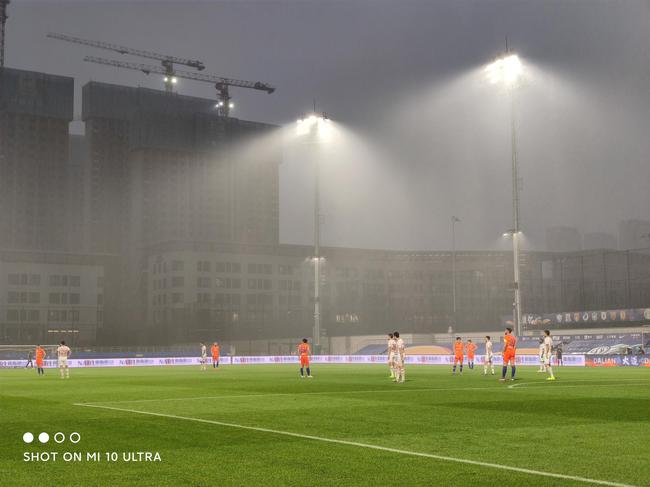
x=582, y=383
x=368, y=446
x=379, y=391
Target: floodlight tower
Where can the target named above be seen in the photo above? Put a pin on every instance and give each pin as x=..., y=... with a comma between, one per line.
x=312, y=127
x=507, y=70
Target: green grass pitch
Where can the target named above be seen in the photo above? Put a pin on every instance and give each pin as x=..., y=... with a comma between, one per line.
x=590, y=423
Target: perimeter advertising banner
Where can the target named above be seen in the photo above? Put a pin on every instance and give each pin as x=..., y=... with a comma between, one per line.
x=618, y=361
x=569, y=360
x=577, y=319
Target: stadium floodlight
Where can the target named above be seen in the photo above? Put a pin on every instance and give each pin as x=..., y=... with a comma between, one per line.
x=312, y=126
x=507, y=70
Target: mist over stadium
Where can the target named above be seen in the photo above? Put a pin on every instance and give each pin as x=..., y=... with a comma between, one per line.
x=202, y=201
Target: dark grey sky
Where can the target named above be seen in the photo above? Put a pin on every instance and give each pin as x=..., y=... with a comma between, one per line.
x=403, y=77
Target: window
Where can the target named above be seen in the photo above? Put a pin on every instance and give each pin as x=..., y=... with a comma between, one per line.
x=177, y=297
x=203, y=282
x=178, y=281
x=34, y=279
x=74, y=281
x=203, y=266
x=74, y=298
x=55, y=298
x=177, y=265
x=34, y=298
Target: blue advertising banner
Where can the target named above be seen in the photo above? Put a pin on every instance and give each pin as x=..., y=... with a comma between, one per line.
x=617, y=361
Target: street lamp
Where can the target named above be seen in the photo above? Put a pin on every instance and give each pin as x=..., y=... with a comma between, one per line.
x=507, y=70
x=313, y=126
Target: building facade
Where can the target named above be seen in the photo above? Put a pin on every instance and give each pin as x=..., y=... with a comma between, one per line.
x=35, y=111
x=46, y=297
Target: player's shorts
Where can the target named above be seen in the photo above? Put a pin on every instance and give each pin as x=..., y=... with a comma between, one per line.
x=399, y=361
x=488, y=358
x=39, y=363
x=546, y=360
x=203, y=359
x=509, y=357
x=458, y=358
x=393, y=357
x=304, y=361
x=470, y=358
x=63, y=361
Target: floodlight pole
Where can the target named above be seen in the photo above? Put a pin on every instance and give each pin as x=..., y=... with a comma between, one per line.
x=454, y=220
x=515, y=218
x=316, y=252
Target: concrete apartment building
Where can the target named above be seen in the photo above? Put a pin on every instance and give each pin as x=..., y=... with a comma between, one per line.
x=35, y=110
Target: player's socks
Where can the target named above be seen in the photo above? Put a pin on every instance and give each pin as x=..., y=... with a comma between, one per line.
x=308, y=372
x=504, y=371
x=302, y=372
x=513, y=369
x=493, y=370
x=453, y=371
x=550, y=372
x=461, y=368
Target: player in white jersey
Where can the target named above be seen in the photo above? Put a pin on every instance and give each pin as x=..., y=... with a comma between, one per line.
x=487, y=360
x=392, y=354
x=204, y=356
x=63, y=353
x=548, y=348
x=542, y=349
x=401, y=352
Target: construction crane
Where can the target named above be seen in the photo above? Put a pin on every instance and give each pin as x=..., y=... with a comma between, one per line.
x=221, y=84
x=3, y=21
x=167, y=62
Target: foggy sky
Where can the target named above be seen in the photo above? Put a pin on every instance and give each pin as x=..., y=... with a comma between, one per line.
x=403, y=78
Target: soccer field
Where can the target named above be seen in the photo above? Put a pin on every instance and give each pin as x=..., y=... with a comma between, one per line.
x=349, y=425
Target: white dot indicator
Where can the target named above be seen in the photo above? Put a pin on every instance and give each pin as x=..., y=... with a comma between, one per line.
x=59, y=437
x=75, y=437
x=43, y=437
x=28, y=437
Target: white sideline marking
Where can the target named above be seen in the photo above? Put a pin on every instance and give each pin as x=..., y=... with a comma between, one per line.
x=589, y=381
x=367, y=445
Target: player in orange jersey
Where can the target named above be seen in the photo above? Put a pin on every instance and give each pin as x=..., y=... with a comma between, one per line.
x=214, y=349
x=458, y=355
x=304, y=351
x=509, y=352
x=40, y=356
x=471, y=350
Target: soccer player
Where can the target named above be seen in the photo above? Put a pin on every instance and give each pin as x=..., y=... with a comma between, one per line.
x=509, y=353
x=548, y=347
x=204, y=356
x=401, y=355
x=392, y=354
x=471, y=350
x=214, y=349
x=63, y=353
x=458, y=355
x=488, y=355
x=542, y=352
x=558, y=355
x=29, y=360
x=304, y=350
x=40, y=355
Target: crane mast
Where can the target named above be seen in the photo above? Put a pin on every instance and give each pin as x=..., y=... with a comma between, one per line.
x=221, y=84
x=3, y=21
